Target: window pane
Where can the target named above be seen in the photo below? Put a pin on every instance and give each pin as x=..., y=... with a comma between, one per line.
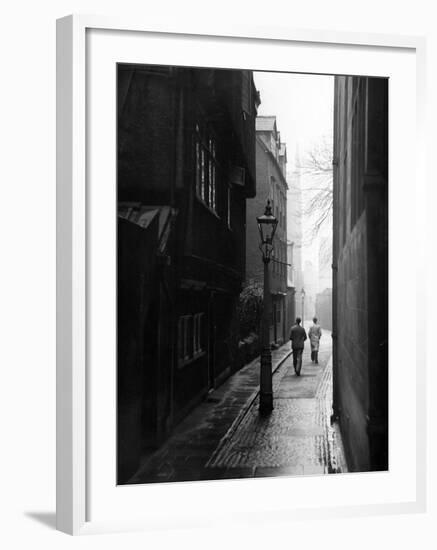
x=229, y=207
x=180, y=338
x=210, y=183
x=213, y=186
x=195, y=334
x=198, y=190
x=190, y=336
x=199, y=332
x=202, y=175
x=185, y=338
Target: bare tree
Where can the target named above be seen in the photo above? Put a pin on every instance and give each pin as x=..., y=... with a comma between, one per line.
x=317, y=197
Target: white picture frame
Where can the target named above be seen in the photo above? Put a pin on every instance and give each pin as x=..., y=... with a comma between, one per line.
x=74, y=342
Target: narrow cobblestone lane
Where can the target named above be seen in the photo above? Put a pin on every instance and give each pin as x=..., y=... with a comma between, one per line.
x=225, y=437
x=297, y=437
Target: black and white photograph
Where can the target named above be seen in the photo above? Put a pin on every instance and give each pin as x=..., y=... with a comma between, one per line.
x=252, y=274
x=219, y=319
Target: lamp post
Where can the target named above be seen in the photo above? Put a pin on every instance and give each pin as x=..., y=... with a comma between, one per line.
x=267, y=226
x=302, y=292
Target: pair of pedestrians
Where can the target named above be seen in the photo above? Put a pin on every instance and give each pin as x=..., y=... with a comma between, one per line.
x=298, y=337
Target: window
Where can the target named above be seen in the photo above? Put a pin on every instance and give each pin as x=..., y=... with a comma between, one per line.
x=185, y=337
x=228, y=207
x=206, y=169
x=190, y=337
x=284, y=259
x=202, y=175
x=197, y=333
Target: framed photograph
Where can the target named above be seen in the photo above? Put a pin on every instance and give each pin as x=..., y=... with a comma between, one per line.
x=235, y=212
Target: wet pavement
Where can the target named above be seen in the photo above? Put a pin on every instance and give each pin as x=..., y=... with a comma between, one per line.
x=225, y=437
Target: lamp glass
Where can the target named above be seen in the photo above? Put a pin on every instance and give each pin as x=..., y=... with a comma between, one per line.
x=267, y=224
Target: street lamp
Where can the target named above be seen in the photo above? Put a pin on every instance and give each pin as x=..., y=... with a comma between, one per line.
x=302, y=292
x=267, y=226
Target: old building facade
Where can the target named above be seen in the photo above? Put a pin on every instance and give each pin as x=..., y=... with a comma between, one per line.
x=271, y=184
x=360, y=269
x=295, y=238
x=186, y=166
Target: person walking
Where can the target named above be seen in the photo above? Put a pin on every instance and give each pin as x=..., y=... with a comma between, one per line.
x=297, y=337
x=314, y=334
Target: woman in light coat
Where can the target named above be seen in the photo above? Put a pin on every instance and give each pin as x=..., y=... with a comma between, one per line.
x=315, y=333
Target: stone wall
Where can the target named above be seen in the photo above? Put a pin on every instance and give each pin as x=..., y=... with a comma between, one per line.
x=360, y=269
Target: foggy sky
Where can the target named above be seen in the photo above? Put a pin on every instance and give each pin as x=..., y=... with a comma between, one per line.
x=303, y=106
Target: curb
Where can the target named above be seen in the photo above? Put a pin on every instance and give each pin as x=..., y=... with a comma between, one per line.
x=240, y=417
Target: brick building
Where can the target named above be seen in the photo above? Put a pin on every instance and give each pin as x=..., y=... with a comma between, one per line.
x=271, y=184
x=186, y=166
x=360, y=269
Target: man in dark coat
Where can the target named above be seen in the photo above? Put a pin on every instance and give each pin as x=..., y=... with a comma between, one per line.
x=297, y=337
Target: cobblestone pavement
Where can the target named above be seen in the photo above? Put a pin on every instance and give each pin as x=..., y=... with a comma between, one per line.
x=185, y=453
x=226, y=437
x=297, y=438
